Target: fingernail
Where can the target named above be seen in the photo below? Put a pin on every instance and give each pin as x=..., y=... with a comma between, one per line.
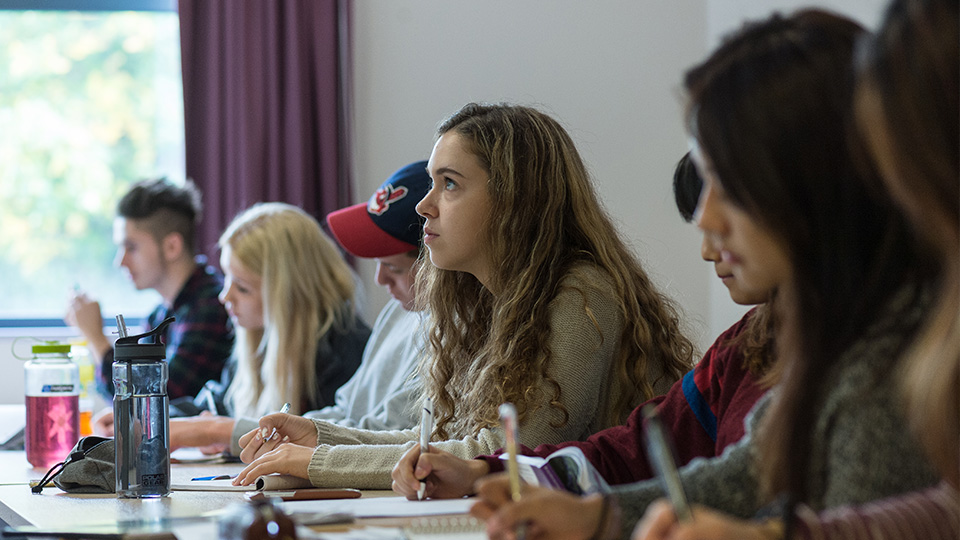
x=286, y=438
x=264, y=432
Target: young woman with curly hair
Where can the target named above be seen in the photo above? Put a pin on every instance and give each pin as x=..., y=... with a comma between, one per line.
x=533, y=299
x=704, y=410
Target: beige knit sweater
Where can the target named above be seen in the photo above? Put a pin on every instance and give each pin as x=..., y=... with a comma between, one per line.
x=581, y=364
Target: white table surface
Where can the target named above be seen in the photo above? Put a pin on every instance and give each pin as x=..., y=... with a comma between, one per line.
x=187, y=515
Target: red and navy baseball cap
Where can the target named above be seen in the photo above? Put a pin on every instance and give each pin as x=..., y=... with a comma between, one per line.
x=387, y=224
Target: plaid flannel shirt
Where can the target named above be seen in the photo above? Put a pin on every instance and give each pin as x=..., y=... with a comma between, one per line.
x=198, y=342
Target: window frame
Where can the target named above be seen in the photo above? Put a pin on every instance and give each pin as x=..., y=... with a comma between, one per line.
x=7, y=324
x=89, y=5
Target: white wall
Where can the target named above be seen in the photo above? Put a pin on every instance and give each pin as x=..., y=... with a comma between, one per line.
x=610, y=70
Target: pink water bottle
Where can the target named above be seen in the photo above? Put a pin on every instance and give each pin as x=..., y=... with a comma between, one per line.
x=52, y=388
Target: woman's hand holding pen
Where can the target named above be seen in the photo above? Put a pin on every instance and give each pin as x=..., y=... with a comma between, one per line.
x=446, y=475
x=546, y=513
x=660, y=523
x=289, y=429
x=288, y=458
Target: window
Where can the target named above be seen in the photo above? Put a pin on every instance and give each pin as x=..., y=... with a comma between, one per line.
x=90, y=101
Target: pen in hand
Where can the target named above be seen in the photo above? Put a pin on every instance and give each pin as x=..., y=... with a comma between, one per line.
x=211, y=404
x=508, y=419
x=284, y=409
x=426, y=429
x=660, y=452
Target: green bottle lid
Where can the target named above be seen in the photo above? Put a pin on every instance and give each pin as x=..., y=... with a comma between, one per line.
x=51, y=347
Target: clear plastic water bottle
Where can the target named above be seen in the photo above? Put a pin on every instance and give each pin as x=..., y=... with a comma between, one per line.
x=141, y=415
x=81, y=357
x=52, y=394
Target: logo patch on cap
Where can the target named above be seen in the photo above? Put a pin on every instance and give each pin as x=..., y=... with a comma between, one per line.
x=384, y=197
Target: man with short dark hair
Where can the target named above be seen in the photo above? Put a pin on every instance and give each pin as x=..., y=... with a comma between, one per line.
x=154, y=233
x=382, y=394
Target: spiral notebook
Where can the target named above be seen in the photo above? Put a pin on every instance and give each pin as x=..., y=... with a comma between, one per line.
x=452, y=528
x=433, y=528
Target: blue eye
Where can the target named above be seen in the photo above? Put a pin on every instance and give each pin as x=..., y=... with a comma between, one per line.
x=449, y=184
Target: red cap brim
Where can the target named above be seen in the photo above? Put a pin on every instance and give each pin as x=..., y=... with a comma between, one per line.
x=360, y=236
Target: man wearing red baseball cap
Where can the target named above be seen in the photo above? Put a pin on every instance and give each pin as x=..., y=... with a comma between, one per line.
x=386, y=228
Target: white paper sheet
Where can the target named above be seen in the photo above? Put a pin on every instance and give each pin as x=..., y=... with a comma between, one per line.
x=12, y=420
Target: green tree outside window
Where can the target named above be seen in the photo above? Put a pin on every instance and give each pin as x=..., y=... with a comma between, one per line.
x=89, y=103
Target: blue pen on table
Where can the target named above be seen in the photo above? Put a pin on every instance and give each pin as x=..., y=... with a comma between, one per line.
x=508, y=419
x=217, y=477
x=285, y=408
x=426, y=429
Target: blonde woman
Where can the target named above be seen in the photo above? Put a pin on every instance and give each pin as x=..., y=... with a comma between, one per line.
x=290, y=296
x=533, y=299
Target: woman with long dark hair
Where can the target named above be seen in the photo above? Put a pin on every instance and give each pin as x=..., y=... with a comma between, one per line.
x=770, y=117
x=908, y=110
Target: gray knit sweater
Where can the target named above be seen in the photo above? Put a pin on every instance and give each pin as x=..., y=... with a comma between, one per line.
x=862, y=448
x=581, y=363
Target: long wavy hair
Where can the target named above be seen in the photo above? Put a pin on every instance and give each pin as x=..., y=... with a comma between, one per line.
x=772, y=108
x=307, y=289
x=908, y=109
x=487, y=349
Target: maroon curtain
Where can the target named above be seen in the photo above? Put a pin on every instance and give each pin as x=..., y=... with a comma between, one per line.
x=264, y=99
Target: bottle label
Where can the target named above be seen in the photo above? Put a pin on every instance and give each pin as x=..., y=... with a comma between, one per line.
x=153, y=480
x=57, y=388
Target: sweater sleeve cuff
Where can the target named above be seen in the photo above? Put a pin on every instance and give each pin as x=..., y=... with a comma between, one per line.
x=323, y=430
x=317, y=464
x=241, y=427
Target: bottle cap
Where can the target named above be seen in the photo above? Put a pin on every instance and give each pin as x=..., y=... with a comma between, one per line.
x=51, y=347
x=129, y=349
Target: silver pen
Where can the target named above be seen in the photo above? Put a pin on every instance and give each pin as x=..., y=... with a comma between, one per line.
x=208, y=390
x=211, y=404
x=284, y=409
x=426, y=429
x=661, y=455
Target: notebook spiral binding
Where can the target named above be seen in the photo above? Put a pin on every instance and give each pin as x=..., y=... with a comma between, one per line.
x=463, y=528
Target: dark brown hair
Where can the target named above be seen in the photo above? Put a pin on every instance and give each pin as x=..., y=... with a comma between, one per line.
x=771, y=107
x=908, y=109
x=162, y=207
